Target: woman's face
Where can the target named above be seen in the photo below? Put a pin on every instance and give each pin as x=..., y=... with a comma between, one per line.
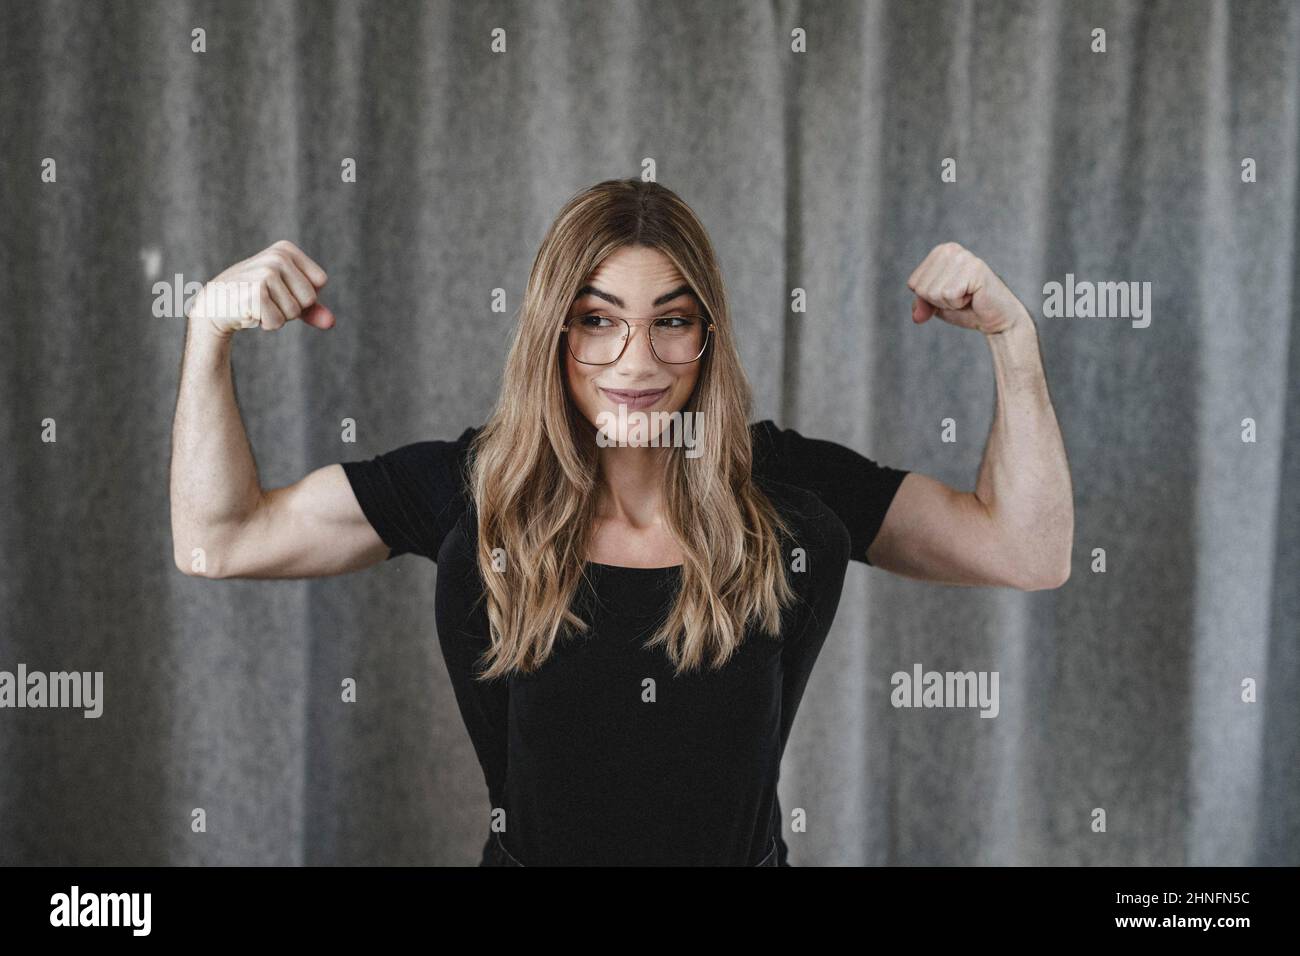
x=637, y=283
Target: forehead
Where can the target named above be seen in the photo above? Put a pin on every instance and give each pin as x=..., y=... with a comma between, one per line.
x=634, y=272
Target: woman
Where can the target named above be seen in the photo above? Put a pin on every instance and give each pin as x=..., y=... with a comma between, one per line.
x=629, y=627
x=629, y=606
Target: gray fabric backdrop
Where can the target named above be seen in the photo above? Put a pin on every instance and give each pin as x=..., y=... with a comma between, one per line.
x=816, y=170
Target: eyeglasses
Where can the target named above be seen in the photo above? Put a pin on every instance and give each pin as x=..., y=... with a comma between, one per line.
x=596, y=339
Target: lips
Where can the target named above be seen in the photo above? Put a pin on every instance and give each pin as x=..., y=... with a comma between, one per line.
x=634, y=398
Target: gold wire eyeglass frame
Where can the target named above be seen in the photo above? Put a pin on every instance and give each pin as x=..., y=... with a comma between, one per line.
x=709, y=329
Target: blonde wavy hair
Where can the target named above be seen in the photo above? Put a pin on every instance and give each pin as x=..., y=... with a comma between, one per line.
x=533, y=471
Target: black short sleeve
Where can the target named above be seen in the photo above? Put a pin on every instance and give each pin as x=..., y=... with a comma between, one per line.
x=853, y=486
x=415, y=494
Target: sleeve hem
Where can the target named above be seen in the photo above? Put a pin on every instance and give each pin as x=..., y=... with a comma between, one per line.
x=890, y=489
x=363, y=492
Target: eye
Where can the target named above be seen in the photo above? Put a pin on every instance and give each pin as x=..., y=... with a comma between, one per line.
x=593, y=322
x=675, y=322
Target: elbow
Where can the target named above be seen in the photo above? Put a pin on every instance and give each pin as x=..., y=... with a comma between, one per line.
x=1047, y=576
x=1045, y=582
x=196, y=562
x=191, y=566
x=1045, y=555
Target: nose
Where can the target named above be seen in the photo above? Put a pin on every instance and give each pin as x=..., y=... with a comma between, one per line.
x=637, y=353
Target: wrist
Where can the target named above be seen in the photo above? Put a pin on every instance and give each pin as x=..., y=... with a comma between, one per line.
x=204, y=328
x=1020, y=326
x=1016, y=352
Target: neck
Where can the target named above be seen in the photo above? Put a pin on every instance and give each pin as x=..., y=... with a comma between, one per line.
x=632, y=484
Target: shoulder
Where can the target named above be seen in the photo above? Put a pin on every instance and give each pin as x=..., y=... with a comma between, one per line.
x=784, y=453
x=432, y=472
x=443, y=450
x=764, y=438
x=414, y=493
x=813, y=525
x=431, y=458
x=856, y=488
x=795, y=501
x=429, y=451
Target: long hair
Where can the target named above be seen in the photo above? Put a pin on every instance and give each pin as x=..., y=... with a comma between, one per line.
x=534, y=467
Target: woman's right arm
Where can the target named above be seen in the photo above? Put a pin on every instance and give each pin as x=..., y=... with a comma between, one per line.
x=224, y=524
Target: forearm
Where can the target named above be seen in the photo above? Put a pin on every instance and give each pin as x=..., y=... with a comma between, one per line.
x=1024, y=478
x=214, y=484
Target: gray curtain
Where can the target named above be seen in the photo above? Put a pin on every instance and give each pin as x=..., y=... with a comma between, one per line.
x=821, y=171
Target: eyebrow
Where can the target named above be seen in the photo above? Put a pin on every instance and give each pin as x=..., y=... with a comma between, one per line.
x=615, y=300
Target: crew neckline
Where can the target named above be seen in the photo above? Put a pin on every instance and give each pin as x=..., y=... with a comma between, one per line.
x=623, y=567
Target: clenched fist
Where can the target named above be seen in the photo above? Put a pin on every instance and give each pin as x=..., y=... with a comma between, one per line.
x=959, y=287
x=275, y=286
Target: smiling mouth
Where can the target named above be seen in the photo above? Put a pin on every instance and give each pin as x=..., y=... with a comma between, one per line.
x=635, y=397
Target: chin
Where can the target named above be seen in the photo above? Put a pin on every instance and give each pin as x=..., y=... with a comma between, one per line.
x=625, y=426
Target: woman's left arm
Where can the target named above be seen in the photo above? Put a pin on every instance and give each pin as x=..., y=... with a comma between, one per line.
x=1016, y=529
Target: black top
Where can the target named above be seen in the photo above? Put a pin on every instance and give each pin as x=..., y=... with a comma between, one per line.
x=602, y=755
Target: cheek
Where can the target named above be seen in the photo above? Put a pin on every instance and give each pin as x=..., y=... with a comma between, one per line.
x=575, y=382
x=685, y=386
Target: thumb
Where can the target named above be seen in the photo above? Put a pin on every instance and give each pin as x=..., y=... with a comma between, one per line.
x=921, y=310
x=319, y=316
